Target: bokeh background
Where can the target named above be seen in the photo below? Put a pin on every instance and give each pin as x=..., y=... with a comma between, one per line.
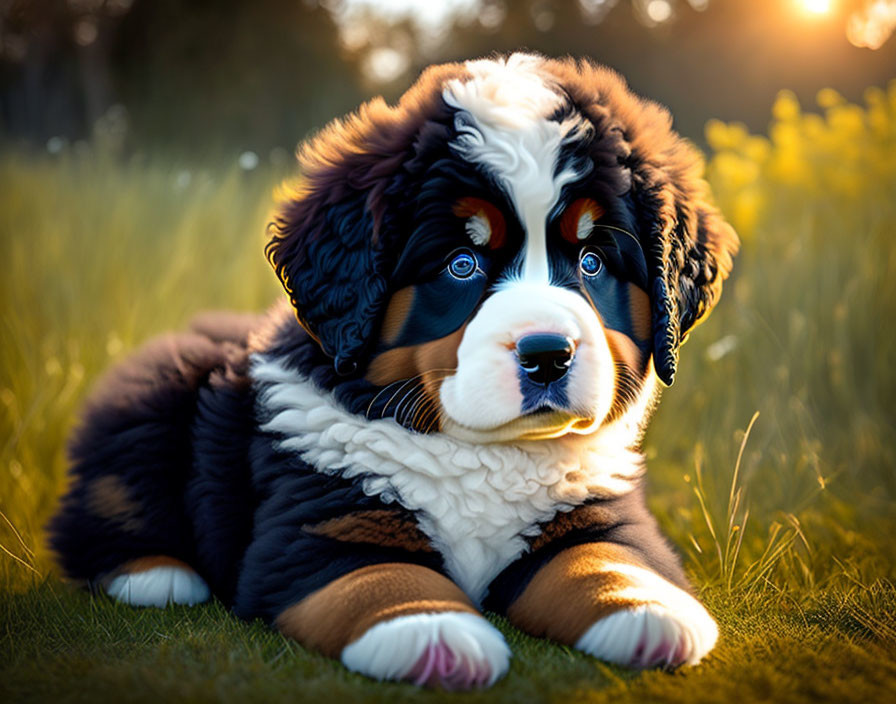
x=140, y=143
x=201, y=77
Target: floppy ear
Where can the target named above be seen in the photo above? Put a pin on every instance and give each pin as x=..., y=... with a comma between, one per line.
x=338, y=227
x=690, y=250
x=687, y=243
x=327, y=243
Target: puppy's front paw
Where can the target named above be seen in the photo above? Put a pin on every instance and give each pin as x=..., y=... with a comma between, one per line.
x=653, y=635
x=452, y=650
x=157, y=585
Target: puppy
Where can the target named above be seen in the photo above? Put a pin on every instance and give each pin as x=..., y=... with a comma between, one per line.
x=488, y=284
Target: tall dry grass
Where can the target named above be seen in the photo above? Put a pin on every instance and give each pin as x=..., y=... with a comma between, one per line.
x=805, y=337
x=96, y=257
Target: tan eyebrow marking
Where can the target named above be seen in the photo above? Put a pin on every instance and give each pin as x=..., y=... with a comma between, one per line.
x=579, y=218
x=485, y=223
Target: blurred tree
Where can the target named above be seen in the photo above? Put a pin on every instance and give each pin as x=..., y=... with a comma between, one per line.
x=194, y=75
x=252, y=75
x=53, y=69
x=210, y=75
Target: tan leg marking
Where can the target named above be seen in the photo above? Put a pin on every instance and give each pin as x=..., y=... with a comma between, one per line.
x=341, y=612
x=591, y=516
x=110, y=498
x=575, y=589
x=379, y=527
x=142, y=564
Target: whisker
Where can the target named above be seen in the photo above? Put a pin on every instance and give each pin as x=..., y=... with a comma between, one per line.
x=412, y=380
x=406, y=406
x=380, y=393
x=426, y=407
x=626, y=391
x=402, y=384
x=420, y=396
x=436, y=421
x=396, y=395
x=618, y=229
x=409, y=418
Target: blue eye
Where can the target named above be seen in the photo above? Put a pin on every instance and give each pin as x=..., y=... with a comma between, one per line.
x=590, y=264
x=463, y=266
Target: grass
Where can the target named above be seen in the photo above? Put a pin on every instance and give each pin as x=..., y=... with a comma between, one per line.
x=71, y=648
x=785, y=518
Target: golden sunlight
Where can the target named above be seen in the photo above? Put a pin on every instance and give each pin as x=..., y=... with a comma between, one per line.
x=816, y=7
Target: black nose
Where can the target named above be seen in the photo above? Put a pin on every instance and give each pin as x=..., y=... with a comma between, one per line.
x=545, y=357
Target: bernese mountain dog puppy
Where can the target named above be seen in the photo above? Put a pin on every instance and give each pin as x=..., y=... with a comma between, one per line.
x=487, y=285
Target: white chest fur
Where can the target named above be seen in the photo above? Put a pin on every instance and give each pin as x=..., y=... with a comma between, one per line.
x=475, y=502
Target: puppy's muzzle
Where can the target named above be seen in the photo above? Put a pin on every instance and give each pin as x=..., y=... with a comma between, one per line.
x=545, y=357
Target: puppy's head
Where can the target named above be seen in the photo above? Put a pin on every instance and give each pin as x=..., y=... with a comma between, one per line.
x=514, y=251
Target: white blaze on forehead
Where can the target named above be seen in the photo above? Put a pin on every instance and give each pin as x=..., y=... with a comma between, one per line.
x=507, y=94
x=504, y=124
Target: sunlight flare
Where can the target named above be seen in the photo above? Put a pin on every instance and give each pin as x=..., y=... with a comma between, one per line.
x=816, y=7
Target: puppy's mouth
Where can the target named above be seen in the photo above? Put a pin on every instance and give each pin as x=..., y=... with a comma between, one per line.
x=543, y=423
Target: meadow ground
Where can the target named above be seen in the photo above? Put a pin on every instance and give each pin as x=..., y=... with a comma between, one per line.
x=787, y=528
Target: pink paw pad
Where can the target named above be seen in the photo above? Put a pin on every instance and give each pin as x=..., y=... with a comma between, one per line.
x=652, y=635
x=450, y=650
x=438, y=666
x=669, y=652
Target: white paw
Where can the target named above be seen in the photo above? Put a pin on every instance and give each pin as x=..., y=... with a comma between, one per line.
x=159, y=586
x=652, y=635
x=452, y=650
